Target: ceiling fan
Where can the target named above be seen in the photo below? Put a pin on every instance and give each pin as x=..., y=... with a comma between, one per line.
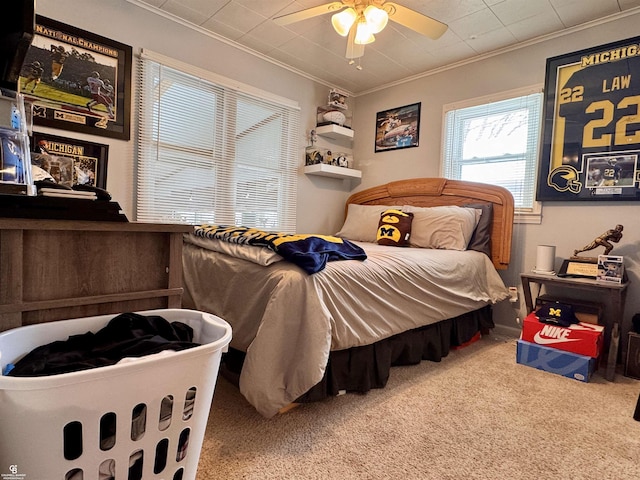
x=359, y=20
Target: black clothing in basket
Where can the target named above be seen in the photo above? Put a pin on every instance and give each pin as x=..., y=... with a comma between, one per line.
x=126, y=335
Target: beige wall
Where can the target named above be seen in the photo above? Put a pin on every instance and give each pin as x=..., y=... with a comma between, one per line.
x=321, y=200
x=566, y=225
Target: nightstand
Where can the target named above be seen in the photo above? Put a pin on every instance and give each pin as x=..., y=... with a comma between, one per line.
x=615, y=293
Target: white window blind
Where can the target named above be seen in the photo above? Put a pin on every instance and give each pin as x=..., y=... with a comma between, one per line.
x=210, y=152
x=496, y=143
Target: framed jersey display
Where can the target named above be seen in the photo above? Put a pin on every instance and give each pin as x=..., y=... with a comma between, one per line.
x=77, y=80
x=591, y=137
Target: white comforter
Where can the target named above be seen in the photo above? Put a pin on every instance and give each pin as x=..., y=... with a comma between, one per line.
x=287, y=321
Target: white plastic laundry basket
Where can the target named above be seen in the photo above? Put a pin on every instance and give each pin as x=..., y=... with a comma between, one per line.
x=150, y=413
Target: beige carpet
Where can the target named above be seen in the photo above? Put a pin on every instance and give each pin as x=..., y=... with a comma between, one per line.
x=476, y=415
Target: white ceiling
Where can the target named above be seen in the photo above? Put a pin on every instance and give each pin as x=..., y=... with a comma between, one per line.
x=476, y=27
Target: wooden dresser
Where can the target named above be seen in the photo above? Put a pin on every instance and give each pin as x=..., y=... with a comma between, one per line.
x=60, y=269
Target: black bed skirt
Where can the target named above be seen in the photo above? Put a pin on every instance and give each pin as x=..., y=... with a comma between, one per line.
x=360, y=369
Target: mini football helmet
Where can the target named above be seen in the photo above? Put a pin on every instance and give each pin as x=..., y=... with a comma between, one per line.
x=565, y=178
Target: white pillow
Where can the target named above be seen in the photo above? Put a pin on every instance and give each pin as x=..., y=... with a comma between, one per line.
x=362, y=221
x=447, y=227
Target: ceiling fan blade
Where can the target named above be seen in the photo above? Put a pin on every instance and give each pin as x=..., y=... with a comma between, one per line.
x=308, y=13
x=354, y=50
x=417, y=22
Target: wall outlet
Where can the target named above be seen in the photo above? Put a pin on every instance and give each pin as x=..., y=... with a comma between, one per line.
x=513, y=294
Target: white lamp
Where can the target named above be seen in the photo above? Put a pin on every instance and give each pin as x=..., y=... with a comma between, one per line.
x=376, y=18
x=370, y=20
x=364, y=35
x=343, y=21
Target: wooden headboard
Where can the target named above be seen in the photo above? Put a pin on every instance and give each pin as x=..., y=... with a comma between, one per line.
x=432, y=192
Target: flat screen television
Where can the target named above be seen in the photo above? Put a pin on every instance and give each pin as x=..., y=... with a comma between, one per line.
x=17, y=23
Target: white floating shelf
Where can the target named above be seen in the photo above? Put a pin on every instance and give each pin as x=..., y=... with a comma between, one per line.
x=325, y=170
x=334, y=131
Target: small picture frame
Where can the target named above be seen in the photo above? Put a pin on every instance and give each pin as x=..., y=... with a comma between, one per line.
x=398, y=128
x=69, y=161
x=610, y=269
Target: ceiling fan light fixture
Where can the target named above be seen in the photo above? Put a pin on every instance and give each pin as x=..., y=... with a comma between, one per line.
x=343, y=21
x=376, y=18
x=364, y=36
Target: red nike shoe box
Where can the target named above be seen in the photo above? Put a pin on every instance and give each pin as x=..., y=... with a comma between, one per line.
x=473, y=339
x=581, y=338
x=567, y=364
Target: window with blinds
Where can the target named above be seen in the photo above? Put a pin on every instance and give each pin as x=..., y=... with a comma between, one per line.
x=497, y=143
x=210, y=152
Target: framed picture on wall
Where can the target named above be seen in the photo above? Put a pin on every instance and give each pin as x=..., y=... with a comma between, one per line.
x=77, y=80
x=591, y=138
x=398, y=128
x=69, y=161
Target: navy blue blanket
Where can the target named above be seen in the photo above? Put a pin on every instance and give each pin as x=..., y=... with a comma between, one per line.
x=309, y=252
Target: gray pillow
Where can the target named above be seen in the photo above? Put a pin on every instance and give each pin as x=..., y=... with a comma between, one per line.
x=481, y=237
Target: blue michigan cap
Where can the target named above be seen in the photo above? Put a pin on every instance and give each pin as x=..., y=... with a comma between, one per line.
x=557, y=314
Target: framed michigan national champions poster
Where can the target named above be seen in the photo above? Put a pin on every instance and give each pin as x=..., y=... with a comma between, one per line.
x=77, y=80
x=591, y=137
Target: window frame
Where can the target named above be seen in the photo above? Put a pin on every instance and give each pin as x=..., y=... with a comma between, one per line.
x=522, y=215
x=220, y=156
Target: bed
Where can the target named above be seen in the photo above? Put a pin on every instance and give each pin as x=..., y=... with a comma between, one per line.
x=300, y=337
